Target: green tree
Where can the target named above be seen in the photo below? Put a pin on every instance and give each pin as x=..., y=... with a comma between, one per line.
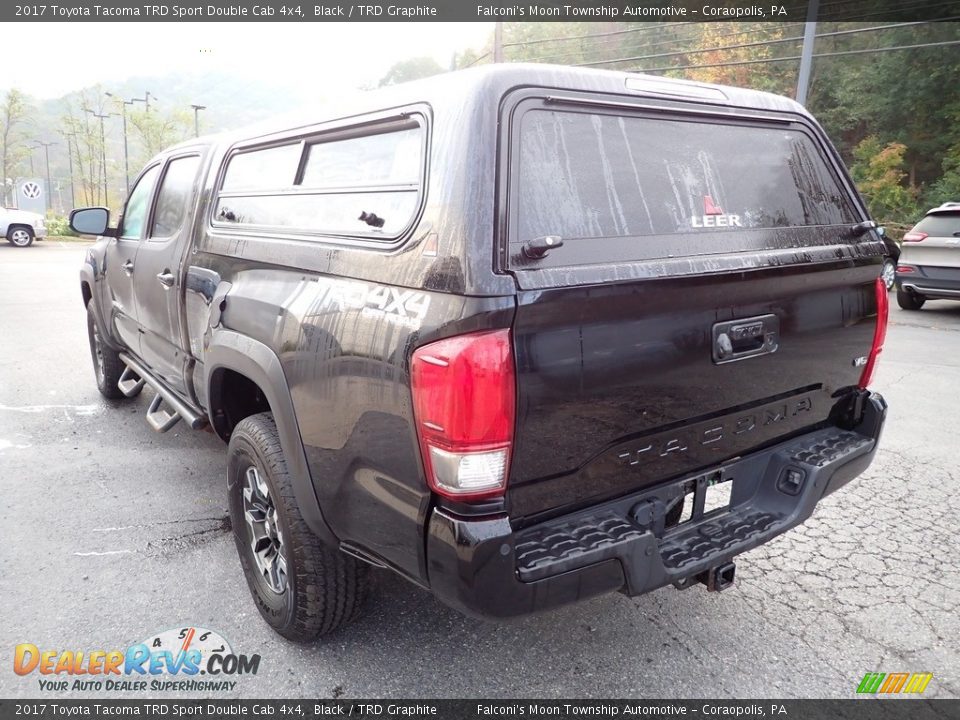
x=908, y=96
x=947, y=187
x=411, y=69
x=878, y=170
x=14, y=111
x=157, y=129
x=78, y=122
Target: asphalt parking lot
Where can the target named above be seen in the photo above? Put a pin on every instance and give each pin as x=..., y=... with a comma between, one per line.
x=111, y=533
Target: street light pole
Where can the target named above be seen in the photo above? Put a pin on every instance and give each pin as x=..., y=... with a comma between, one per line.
x=103, y=152
x=46, y=150
x=126, y=152
x=196, y=118
x=806, y=52
x=73, y=199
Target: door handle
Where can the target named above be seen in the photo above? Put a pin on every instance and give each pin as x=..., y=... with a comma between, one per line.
x=166, y=278
x=128, y=267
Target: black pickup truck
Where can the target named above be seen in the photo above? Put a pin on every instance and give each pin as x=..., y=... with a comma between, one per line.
x=521, y=334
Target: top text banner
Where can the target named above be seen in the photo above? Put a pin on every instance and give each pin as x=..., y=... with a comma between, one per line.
x=471, y=10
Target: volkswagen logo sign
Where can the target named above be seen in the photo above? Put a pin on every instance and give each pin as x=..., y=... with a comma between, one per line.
x=32, y=190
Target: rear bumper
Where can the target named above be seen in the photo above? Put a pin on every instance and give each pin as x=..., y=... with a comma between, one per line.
x=484, y=568
x=931, y=281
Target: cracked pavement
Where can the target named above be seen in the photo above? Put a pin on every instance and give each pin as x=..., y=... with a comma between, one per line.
x=111, y=532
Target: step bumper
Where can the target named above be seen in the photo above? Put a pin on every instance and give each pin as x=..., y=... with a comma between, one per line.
x=484, y=568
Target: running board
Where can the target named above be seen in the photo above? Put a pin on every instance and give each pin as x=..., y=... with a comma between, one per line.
x=159, y=418
x=130, y=383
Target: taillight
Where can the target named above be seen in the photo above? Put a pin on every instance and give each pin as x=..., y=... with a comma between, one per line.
x=906, y=269
x=915, y=236
x=464, y=392
x=879, y=334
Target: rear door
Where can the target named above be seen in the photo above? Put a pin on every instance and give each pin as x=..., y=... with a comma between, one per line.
x=158, y=286
x=707, y=300
x=121, y=259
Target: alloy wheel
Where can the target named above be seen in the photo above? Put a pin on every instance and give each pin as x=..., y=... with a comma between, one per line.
x=20, y=238
x=888, y=274
x=266, y=539
x=98, y=356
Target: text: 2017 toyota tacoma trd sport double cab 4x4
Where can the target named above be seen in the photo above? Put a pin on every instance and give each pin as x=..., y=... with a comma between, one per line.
x=522, y=334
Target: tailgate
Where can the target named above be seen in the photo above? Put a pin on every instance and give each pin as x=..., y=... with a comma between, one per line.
x=708, y=298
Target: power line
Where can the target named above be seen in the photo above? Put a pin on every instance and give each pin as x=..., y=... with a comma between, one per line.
x=757, y=43
x=476, y=60
x=673, y=41
x=695, y=52
x=554, y=57
x=649, y=28
x=905, y=9
x=653, y=27
x=797, y=57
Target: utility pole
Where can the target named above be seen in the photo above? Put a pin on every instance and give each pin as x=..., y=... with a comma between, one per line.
x=196, y=118
x=126, y=153
x=145, y=100
x=73, y=199
x=46, y=150
x=806, y=53
x=498, y=42
x=103, y=151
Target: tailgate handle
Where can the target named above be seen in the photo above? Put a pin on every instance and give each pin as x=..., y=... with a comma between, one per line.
x=745, y=338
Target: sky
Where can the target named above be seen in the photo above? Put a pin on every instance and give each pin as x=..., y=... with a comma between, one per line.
x=69, y=56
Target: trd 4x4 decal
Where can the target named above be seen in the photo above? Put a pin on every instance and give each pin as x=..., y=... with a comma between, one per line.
x=408, y=307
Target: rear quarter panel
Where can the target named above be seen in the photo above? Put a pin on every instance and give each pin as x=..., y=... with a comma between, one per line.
x=344, y=345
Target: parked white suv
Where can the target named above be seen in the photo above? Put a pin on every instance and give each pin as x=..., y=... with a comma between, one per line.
x=929, y=264
x=20, y=227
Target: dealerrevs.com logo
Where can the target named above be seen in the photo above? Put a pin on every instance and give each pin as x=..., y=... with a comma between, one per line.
x=190, y=659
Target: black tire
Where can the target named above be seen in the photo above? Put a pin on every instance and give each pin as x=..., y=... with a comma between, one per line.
x=909, y=300
x=20, y=235
x=320, y=588
x=107, y=365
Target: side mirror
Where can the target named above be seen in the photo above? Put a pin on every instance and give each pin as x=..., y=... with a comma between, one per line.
x=90, y=221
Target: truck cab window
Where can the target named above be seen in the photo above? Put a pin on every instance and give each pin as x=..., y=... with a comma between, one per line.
x=135, y=213
x=174, y=196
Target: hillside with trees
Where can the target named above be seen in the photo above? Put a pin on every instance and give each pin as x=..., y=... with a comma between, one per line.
x=886, y=93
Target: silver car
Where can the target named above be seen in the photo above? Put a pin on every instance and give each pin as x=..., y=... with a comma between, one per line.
x=20, y=227
x=929, y=264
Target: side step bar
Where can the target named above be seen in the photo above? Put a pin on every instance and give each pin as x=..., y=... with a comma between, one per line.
x=130, y=384
x=159, y=419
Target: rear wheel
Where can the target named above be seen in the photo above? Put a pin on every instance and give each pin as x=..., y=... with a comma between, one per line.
x=889, y=273
x=909, y=300
x=302, y=588
x=20, y=235
x=107, y=365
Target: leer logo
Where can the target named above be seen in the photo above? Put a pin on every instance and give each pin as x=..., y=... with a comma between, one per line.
x=713, y=216
x=894, y=683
